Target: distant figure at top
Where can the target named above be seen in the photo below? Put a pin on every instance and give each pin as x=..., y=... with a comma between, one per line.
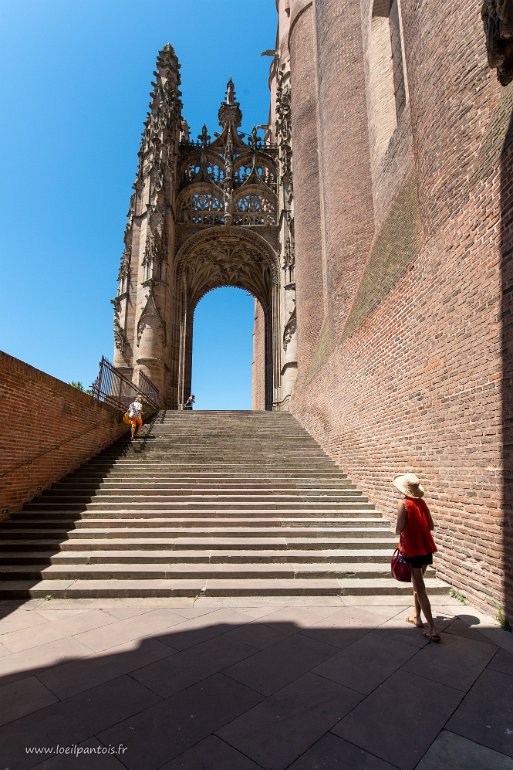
x=190, y=402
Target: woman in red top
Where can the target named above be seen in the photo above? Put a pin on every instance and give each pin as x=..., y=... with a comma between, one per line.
x=414, y=525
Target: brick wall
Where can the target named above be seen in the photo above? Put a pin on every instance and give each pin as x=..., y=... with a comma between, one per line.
x=345, y=170
x=307, y=202
x=418, y=375
x=48, y=430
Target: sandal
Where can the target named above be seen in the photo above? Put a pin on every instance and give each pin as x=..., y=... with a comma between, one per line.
x=413, y=620
x=432, y=637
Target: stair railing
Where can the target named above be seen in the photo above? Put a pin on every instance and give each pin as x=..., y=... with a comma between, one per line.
x=115, y=389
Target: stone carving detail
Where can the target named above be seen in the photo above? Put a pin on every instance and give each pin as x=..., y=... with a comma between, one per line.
x=254, y=209
x=220, y=169
x=290, y=329
x=497, y=18
x=283, y=122
x=120, y=339
x=152, y=318
x=283, y=132
x=289, y=260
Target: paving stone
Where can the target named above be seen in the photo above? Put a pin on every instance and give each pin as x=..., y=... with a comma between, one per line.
x=114, y=634
x=460, y=627
x=303, y=616
x=486, y=713
x=260, y=634
x=333, y=753
x=346, y=625
x=26, y=638
x=19, y=619
x=256, y=612
x=122, y=613
x=281, y=663
x=211, y=754
x=79, y=675
x=16, y=665
x=456, y=661
x=367, y=662
x=73, y=720
x=280, y=729
x=22, y=697
x=83, y=761
x=457, y=753
x=62, y=613
x=502, y=661
x=206, y=626
x=398, y=628
x=168, y=729
x=183, y=669
x=399, y=721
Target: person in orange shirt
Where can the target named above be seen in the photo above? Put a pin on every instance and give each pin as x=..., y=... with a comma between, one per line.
x=414, y=526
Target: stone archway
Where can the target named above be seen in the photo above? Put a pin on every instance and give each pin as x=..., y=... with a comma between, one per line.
x=206, y=213
x=208, y=260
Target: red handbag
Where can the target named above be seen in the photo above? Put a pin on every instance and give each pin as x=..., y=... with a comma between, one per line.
x=401, y=569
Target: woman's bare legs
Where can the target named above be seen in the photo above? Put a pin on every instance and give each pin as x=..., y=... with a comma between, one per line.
x=421, y=599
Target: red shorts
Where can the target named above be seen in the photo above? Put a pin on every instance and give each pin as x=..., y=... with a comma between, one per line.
x=135, y=422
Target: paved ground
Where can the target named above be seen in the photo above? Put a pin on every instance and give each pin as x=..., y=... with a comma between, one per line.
x=248, y=684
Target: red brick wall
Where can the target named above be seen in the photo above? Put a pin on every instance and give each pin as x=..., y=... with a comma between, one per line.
x=345, y=170
x=307, y=203
x=419, y=377
x=48, y=430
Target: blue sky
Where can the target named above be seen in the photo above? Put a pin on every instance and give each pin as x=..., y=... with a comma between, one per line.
x=74, y=92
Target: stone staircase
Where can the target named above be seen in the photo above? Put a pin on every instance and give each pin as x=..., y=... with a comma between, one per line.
x=204, y=504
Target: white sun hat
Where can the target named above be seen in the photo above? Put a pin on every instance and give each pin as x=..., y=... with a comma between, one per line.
x=409, y=485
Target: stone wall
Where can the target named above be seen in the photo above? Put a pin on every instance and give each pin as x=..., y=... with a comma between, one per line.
x=48, y=430
x=412, y=370
x=258, y=364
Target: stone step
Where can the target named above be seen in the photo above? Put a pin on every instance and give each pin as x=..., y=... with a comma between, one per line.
x=266, y=517
x=76, y=589
x=238, y=508
x=151, y=491
x=382, y=555
x=189, y=499
x=137, y=529
x=204, y=504
x=182, y=487
x=161, y=570
x=209, y=544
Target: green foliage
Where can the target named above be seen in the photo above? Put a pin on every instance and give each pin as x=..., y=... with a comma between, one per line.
x=79, y=386
x=456, y=595
x=502, y=619
x=48, y=597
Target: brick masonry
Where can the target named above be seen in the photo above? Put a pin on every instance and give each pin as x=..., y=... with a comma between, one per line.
x=49, y=429
x=412, y=368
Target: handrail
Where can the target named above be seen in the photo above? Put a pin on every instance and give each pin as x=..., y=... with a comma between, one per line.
x=148, y=389
x=115, y=389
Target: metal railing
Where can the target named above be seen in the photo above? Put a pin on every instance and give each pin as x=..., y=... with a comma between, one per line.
x=113, y=388
x=148, y=390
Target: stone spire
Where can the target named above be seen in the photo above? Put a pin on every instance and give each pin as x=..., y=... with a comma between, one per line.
x=141, y=311
x=230, y=115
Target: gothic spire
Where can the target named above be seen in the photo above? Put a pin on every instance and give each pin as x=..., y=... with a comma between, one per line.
x=230, y=115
